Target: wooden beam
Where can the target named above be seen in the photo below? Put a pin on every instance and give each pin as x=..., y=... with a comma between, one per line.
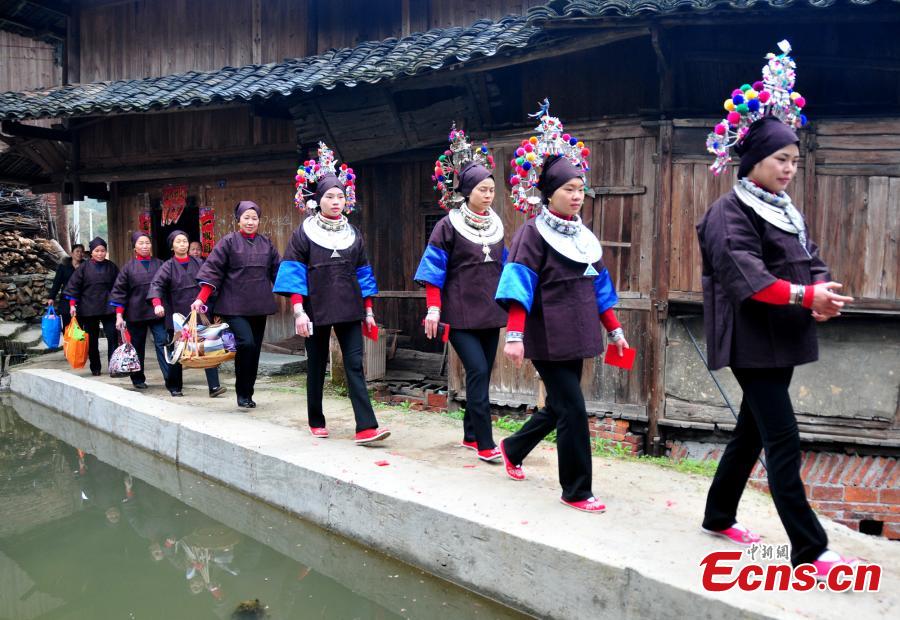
x=256, y=32
x=72, y=47
x=401, y=294
x=12, y=128
x=270, y=164
x=59, y=7
x=33, y=33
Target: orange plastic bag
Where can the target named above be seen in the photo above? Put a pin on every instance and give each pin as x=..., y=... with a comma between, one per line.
x=75, y=345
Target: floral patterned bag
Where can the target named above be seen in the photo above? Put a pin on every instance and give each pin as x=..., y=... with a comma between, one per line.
x=124, y=359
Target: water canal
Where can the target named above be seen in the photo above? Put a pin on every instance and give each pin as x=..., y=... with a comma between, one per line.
x=93, y=528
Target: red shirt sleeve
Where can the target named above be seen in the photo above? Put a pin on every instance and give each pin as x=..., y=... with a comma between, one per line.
x=205, y=291
x=156, y=301
x=779, y=294
x=120, y=310
x=432, y=296
x=516, y=320
x=71, y=303
x=367, y=302
x=609, y=320
x=296, y=298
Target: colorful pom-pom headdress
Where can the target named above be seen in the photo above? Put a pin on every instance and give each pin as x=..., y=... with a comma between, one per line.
x=529, y=159
x=314, y=170
x=773, y=96
x=452, y=161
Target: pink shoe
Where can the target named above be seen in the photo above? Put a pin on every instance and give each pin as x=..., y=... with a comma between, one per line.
x=318, y=431
x=513, y=471
x=832, y=559
x=591, y=504
x=737, y=533
x=490, y=456
x=471, y=445
x=371, y=434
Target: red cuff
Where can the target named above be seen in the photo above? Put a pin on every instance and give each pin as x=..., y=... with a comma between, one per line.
x=296, y=298
x=432, y=296
x=71, y=303
x=156, y=301
x=120, y=310
x=809, y=292
x=516, y=320
x=367, y=302
x=205, y=291
x=778, y=293
x=609, y=320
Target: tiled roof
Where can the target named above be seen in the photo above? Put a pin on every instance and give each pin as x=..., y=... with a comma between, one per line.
x=555, y=9
x=367, y=63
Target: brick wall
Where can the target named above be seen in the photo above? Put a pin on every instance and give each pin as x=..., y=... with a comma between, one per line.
x=861, y=492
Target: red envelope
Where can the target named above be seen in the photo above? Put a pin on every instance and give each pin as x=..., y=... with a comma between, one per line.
x=626, y=361
x=371, y=334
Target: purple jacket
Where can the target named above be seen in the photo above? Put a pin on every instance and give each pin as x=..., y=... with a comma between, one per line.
x=90, y=285
x=132, y=286
x=242, y=272
x=176, y=285
x=468, y=283
x=743, y=254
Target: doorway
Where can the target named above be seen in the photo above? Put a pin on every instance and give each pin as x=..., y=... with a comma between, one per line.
x=189, y=222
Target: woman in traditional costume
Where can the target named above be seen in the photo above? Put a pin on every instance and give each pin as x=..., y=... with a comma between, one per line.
x=173, y=289
x=330, y=283
x=240, y=271
x=560, y=298
x=460, y=270
x=764, y=288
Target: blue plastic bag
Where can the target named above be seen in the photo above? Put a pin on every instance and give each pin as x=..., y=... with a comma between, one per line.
x=51, y=327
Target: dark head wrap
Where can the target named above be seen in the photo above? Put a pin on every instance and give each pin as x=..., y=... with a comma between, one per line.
x=556, y=172
x=764, y=137
x=171, y=238
x=471, y=175
x=97, y=242
x=326, y=183
x=137, y=235
x=246, y=205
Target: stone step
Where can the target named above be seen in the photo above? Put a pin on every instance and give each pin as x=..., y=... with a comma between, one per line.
x=41, y=348
x=10, y=329
x=31, y=337
x=273, y=364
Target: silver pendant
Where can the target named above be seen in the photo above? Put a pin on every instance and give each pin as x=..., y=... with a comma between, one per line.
x=487, y=254
x=335, y=254
x=590, y=271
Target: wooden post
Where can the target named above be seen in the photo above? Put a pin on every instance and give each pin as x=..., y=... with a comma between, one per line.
x=659, y=291
x=71, y=69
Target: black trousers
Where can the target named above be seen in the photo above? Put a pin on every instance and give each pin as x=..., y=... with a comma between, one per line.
x=565, y=412
x=138, y=331
x=476, y=349
x=248, y=337
x=91, y=324
x=350, y=337
x=766, y=421
x=176, y=373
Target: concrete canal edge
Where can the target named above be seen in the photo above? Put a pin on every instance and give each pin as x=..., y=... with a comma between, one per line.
x=334, y=487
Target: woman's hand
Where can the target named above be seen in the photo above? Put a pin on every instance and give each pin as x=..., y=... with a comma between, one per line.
x=120, y=321
x=621, y=345
x=515, y=352
x=370, y=322
x=432, y=320
x=159, y=311
x=197, y=305
x=302, y=324
x=72, y=311
x=826, y=303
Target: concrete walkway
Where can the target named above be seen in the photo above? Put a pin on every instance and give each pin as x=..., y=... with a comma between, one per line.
x=434, y=506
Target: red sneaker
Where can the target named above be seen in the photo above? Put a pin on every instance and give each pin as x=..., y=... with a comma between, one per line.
x=471, y=445
x=490, y=456
x=828, y=560
x=591, y=504
x=737, y=533
x=513, y=471
x=371, y=434
x=318, y=431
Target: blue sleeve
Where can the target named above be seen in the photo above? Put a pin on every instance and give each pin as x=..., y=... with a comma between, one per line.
x=605, y=292
x=291, y=278
x=433, y=267
x=505, y=256
x=517, y=283
x=116, y=305
x=367, y=285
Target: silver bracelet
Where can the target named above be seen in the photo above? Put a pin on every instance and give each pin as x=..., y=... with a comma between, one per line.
x=515, y=336
x=434, y=310
x=616, y=335
x=370, y=313
x=797, y=293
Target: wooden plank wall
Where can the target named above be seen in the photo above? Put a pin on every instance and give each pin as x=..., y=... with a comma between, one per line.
x=853, y=208
x=144, y=38
x=26, y=64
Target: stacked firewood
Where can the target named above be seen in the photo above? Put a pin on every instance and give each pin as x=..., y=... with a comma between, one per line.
x=23, y=211
x=21, y=255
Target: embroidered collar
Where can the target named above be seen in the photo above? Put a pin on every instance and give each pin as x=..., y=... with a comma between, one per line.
x=478, y=221
x=777, y=209
x=331, y=225
x=570, y=238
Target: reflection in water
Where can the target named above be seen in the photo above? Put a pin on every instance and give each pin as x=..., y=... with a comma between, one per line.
x=80, y=538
